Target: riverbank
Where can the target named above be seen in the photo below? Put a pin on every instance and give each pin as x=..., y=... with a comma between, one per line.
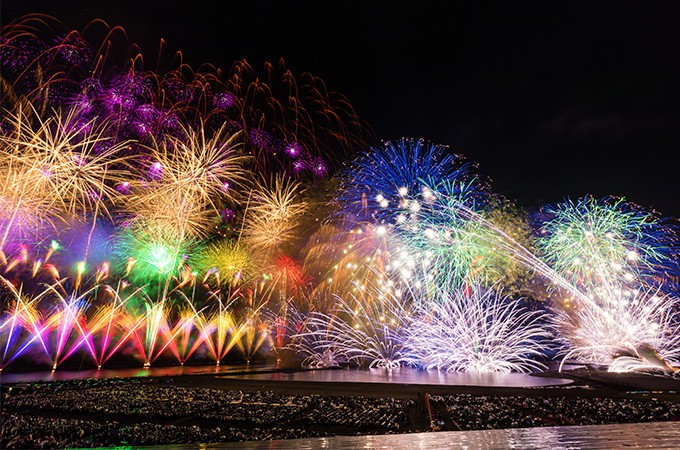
x=210, y=408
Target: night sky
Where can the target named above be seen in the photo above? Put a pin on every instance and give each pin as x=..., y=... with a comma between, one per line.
x=551, y=101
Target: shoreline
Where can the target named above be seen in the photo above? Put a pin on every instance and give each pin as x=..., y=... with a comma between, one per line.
x=211, y=408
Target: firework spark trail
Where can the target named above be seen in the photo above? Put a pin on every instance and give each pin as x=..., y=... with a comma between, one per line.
x=158, y=315
x=350, y=261
x=305, y=339
x=218, y=326
x=221, y=330
x=189, y=319
x=108, y=319
x=294, y=118
x=69, y=317
x=252, y=331
x=24, y=315
x=501, y=241
x=57, y=328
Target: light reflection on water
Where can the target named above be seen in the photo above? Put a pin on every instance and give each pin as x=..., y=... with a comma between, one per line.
x=402, y=375
x=406, y=375
x=58, y=375
x=656, y=435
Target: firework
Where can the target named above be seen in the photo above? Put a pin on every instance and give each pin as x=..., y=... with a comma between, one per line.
x=228, y=261
x=366, y=329
x=106, y=326
x=185, y=182
x=56, y=168
x=273, y=212
x=478, y=330
x=618, y=255
x=287, y=282
x=635, y=328
x=374, y=184
x=21, y=324
x=150, y=254
x=294, y=123
x=311, y=342
x=594, y=241
x=210, y=188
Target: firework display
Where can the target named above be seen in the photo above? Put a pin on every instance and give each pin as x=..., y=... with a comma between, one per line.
x=622, y=257
x=174, y=216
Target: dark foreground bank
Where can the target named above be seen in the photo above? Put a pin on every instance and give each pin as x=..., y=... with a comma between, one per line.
x=209, y=408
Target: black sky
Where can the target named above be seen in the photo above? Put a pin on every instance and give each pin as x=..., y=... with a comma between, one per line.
x=551, y=99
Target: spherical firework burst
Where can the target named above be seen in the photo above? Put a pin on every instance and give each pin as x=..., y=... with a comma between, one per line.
x=147, y=254
x=593, y=241
x=376, y=182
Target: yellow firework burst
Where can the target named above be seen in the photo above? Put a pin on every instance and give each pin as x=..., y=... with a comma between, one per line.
x=230, y=262
x=187, y=178
x=274, y=210
x=56, y=167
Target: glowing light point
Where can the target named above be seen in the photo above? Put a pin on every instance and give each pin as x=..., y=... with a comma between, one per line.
x=156, y=171
x=80, y=267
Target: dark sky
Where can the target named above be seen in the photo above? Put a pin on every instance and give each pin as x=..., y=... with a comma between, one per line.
x=551, y=99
